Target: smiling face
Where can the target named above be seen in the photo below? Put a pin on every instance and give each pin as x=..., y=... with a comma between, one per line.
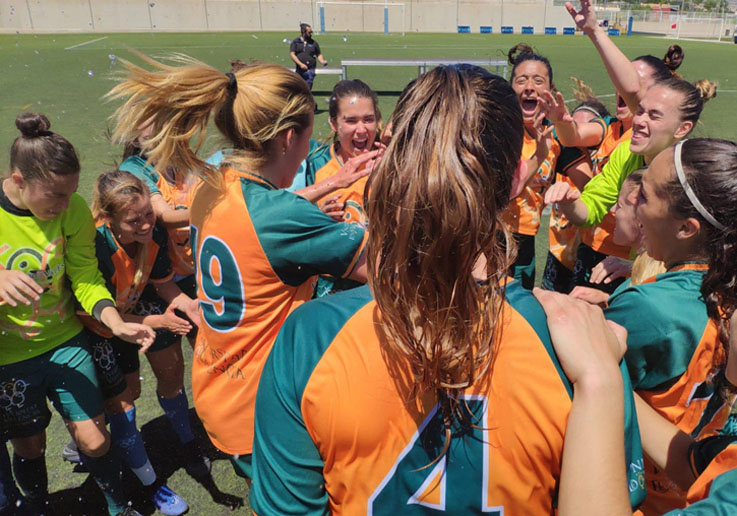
x=355, y=126
x=135, y=222
x=657, y=124
x=46, y=198
x=659, y=227
x=627, y=230
x=530, y=80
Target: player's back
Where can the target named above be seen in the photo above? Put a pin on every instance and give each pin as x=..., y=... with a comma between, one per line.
x=338, y=424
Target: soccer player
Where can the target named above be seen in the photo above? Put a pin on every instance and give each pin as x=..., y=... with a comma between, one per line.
x=531, y=77
x=257, y=248
x=436, y=388
x=47, y=256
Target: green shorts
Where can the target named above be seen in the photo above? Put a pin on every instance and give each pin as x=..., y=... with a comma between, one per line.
x=65, y=375
x=242, y=464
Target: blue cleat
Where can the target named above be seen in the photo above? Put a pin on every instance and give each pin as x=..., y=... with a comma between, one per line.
x=168, y=502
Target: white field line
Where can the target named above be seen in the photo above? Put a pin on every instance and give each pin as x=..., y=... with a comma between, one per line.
x=86, y=43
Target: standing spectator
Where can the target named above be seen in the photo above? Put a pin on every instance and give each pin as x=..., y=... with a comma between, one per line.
x=305, y=52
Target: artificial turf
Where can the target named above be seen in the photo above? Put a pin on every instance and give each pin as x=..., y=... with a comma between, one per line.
x=65, y=76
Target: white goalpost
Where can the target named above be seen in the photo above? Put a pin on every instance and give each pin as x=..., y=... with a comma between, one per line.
x=337, y=16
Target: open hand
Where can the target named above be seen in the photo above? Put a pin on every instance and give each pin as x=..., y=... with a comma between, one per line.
x=18, y=287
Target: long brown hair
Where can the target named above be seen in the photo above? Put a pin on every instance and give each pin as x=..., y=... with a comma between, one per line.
x=710, y=168
x=115, y=190
x=434, y=203
x=251, y=106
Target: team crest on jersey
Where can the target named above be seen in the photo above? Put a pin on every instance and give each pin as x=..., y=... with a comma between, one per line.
x=35, y=263
x=353, y=213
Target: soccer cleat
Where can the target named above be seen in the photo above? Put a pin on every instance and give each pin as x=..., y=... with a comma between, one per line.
x=168, y=502
x=70, y=453
x=129, y=511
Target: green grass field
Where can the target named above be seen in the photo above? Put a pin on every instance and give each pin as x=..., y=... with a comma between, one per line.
x=43, y=73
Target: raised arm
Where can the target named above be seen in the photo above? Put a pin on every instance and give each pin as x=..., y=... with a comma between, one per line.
x=621, y=72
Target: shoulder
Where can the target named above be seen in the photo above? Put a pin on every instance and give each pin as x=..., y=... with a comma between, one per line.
x=77, y=214
x=316, y=322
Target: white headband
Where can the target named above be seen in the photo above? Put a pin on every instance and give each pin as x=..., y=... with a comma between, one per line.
x=689, y=191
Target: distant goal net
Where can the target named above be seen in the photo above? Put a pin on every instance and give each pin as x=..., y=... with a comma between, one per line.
x=386, y=17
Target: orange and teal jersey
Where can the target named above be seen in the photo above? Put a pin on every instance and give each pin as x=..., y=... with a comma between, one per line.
x=523, y=213
x=250, y=275
x=715, y=461
x=672, y=349
x=119, y=270
x=601, y=237
x=339, y=429
x=351, y=196
x=563, y=236
x=176, y=189
x=318, y=155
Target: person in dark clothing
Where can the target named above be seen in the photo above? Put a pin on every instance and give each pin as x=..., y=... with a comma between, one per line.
x=305, y=52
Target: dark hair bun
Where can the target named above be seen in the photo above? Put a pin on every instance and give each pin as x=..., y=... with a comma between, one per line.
x=518, y=50
x=673, y=57
x=31, y=125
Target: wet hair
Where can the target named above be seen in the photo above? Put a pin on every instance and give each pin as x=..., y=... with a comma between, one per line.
x=710, y=168
x=435, y=203
x=522, y=52
x=353, y=88
x=664, y=68
x=694, y=96
x=115, y=190
x=251, y=106
x=38, y=152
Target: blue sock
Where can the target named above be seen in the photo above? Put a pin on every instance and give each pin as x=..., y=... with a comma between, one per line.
x=9, y=493
x=106, y=472
x=127, y=439
x=177, y=411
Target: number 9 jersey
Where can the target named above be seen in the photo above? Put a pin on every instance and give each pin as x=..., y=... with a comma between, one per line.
x=258, y=251
x=340, y=431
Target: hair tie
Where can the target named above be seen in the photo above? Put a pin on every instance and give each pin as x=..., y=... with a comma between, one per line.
x=689, y=191
x=589, y=109
x=232, y=84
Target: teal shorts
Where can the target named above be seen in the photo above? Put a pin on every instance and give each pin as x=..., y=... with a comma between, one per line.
x=242, y=464
x=65, y=375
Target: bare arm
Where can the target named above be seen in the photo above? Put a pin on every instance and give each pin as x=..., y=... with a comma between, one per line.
x=322, y=60
x=569, y=202
x=169, y=218
x=580, y=174
x=621, y=72
x=348, y=174
x=665, y=444
x=297, y=61
x=569, y=132
x=589, y=352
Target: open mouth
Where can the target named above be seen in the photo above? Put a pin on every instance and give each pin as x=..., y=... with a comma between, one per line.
x=360, y=145
x=639, y=136
x=529, y=106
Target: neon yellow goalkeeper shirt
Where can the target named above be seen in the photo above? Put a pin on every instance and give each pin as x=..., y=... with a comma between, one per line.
x=59, y=254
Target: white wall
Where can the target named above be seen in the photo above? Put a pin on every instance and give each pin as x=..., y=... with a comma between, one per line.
x=283, y=15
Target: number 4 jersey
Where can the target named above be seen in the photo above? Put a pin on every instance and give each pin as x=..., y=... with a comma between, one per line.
x=338, y=429
x=258, y=251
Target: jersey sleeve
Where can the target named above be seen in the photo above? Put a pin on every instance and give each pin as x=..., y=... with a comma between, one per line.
x=317, y=157
x=137, y=166
x=568, y=158
x=632, y=444
x=317, y=49
x=300, y=241
x=293, y=47
x=287, y=467
x=80, y=258
x=655, y=352
x=720, y=502
x=601, y=193
x=161, y=270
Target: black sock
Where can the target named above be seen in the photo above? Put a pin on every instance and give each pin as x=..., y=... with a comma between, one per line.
x=32, y=478
x=106, y=472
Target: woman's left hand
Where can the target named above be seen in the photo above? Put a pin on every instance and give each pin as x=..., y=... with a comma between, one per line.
x=136, y=334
